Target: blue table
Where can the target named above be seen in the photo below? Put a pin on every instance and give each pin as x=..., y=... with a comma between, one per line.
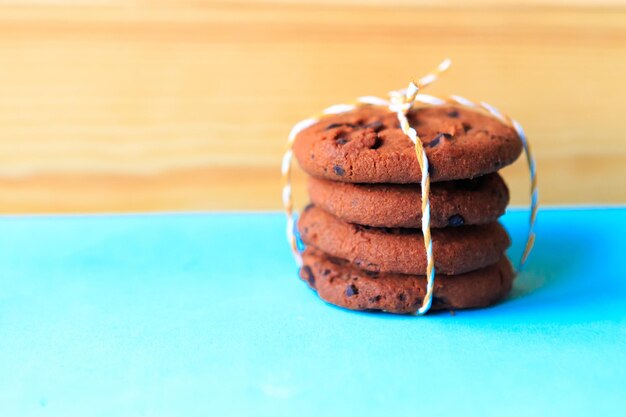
x=202, y=315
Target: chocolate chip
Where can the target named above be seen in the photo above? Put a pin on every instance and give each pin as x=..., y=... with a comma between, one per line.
x=375, y=299
x=377, y=143
x=326, y=272
x=456, y=220
x=336, y=125
x=466, y=127
x=351, y=290
x=342, y=140
x=437, y=139
x=338, y=170
x=308, y=275
x=376, y=126
x=336, y=261
x=454, y=114
x=433, y=142
x=401, y=296
x=373, y=274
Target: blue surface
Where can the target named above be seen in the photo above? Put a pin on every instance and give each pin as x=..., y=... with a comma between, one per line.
x=190, y=315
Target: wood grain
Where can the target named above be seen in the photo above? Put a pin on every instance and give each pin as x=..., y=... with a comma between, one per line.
x=123, y=106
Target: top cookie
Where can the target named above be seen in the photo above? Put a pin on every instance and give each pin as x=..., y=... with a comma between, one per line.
x=366, y=145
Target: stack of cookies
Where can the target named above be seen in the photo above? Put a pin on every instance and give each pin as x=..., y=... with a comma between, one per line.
x=362, y=230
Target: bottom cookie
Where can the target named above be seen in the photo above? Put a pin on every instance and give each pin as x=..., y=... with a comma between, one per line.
x=341, y=284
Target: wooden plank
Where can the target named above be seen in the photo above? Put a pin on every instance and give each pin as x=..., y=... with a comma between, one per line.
x=115, y=108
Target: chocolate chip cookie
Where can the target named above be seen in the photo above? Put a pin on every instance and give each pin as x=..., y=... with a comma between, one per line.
x=453, y=203
x=456, y=250
x=366, y=145
x=341, y=284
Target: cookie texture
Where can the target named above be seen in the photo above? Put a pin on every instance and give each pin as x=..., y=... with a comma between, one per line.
x=366, y=145
x=456, y=250
x=341, y=284
x=452, y=203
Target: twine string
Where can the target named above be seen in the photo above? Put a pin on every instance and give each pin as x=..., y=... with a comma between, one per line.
x=402, y=105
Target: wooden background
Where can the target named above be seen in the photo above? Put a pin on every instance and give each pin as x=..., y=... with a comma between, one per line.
x=185, y=105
